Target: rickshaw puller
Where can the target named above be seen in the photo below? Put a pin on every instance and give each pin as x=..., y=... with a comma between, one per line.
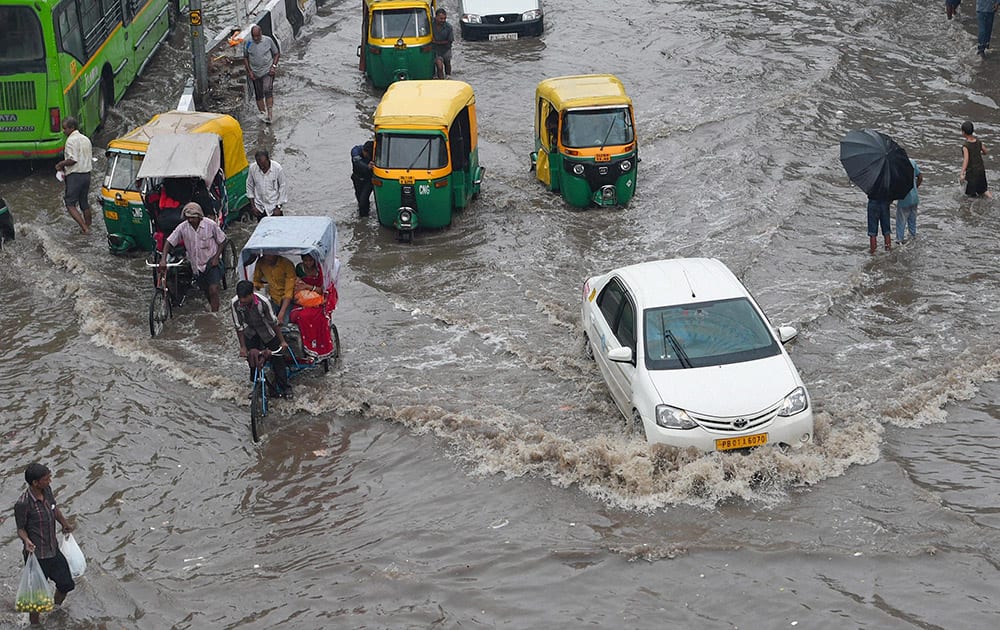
x=257, y=329
x=203, y=241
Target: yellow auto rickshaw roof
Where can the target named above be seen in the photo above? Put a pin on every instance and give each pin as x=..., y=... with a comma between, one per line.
x=399, y=4
x=179, y=122
x=431, y=103
x=585, y=90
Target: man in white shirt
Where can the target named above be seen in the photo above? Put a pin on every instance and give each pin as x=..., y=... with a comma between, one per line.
x=266, y=186
x=75, y=168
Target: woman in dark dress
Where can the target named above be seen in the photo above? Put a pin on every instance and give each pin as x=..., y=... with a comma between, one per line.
x=973, y=169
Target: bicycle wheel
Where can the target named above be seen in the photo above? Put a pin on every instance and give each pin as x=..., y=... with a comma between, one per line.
x=159, y=311
x=335, y=341
x=257, y=411
x=228, y=264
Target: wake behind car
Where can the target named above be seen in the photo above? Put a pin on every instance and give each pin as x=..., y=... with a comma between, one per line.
x=691, y=359
x=500, y=19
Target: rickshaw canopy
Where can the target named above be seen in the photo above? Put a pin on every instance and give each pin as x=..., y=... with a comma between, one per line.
x=182, y=156
x=422, y=104
x=293, y=237
x=178, y=122
x=589, y=90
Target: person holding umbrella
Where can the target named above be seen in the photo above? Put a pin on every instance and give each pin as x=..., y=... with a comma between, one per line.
x=881, y=168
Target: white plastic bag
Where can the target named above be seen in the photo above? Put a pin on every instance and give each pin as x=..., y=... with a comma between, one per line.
x=74, y=557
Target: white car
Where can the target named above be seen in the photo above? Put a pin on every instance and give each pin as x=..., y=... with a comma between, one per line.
x=500, y=19
x=691, y=359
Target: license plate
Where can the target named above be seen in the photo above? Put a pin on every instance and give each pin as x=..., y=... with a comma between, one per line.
x=111, y=215
x=744, y=441
x=121, y=202
x=500, y=36
x=406, y=179
x=603, y=157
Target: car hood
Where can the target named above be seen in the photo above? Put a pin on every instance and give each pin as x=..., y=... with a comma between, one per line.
x=495, y=7
x=727, y=390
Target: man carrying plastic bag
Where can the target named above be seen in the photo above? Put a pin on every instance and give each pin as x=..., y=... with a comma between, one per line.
x=35, y=514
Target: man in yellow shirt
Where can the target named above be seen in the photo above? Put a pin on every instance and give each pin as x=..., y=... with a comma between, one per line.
x=278, y=273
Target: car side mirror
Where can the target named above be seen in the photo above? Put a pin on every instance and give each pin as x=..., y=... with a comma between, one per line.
x=787, y=333
x=620, y=355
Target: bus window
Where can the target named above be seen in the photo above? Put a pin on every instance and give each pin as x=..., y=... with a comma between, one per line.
x=21, y=43
x=70, y=37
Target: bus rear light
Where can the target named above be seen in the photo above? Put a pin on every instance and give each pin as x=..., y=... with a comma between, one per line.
x=55, y=124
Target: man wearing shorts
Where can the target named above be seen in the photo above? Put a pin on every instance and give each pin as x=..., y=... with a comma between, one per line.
x=36, y=514
x=75, y=167
x=203, y=242
x=443, y=36
x=261, y=60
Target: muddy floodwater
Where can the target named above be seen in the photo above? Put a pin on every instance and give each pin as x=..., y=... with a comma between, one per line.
x=463, y=466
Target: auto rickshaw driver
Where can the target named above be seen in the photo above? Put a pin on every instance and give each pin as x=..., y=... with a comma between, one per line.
x=203, y=241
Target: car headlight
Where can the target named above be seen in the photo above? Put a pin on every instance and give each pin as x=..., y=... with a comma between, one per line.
x=794, y=403
x=534, y=14
x=673, y=418
x=578, y=169
x=471, y=18
x=626, y=166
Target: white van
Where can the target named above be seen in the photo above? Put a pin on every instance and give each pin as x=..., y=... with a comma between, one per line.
x=500, y=19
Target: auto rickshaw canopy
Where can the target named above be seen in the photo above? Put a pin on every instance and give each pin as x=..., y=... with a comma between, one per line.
x=422, y=104
x=587, y=90
x=186, y=155
x=180, y=122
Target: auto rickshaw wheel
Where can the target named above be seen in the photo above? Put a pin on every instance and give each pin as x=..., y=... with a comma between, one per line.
x=228, y=264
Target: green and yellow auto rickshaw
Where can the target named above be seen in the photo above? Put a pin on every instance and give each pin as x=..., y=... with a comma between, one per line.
x=396, y=40
x=585, y=142
x=426, y=154
x=126, y=218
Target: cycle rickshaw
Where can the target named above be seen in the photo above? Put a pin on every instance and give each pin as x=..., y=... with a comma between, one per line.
x=179, y=169
x=312, y=337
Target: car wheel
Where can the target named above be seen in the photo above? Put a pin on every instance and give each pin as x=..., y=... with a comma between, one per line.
x=635, y=427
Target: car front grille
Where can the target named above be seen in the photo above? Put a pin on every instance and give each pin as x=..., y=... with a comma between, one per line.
x=506, y=18
x=736, y=424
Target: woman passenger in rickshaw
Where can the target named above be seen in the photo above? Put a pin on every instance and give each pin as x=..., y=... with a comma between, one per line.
x=312, y=306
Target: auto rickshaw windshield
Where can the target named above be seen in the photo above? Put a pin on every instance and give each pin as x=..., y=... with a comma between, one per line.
x=597, y=127
x=411, y=151
x=123, y=169
x=397, y=23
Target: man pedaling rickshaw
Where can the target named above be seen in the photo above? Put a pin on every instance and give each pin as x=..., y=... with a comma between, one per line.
x=203, y=241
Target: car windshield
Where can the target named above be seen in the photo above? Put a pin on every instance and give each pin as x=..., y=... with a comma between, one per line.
x=704, y=334
x=122, y=171
x=411, y=151
x=396, y=23
x=597, y=127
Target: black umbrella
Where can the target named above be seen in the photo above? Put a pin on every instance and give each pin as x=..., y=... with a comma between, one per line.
x=878, y=165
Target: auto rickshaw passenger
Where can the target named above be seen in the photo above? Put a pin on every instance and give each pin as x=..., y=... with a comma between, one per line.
x=278, y=274
x=203, y=241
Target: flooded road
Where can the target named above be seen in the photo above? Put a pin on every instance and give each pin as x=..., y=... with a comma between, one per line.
x=464, y=465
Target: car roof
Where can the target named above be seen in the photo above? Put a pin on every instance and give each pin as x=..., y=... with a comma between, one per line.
x=680, y=281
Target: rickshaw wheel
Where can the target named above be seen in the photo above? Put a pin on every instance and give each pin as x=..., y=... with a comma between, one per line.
x=228, y=264
x=335, y=355
x=256, y=411
x=159, y=311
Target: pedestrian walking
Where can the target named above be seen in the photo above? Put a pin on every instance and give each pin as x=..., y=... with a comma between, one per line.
x=266, y=188
x=361, y=175
x=260, y=56
x=74, y=169
x=36, y=514
x=878, y=217
x=906, y=208
x=442, y=37
x=985, y=12
x=973, y=170
x=951, y=7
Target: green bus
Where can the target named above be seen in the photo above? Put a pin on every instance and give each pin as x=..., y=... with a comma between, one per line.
x=61, y=58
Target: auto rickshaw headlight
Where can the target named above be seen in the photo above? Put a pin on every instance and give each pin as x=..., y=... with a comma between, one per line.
x=578, y=169
x=626, y=166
